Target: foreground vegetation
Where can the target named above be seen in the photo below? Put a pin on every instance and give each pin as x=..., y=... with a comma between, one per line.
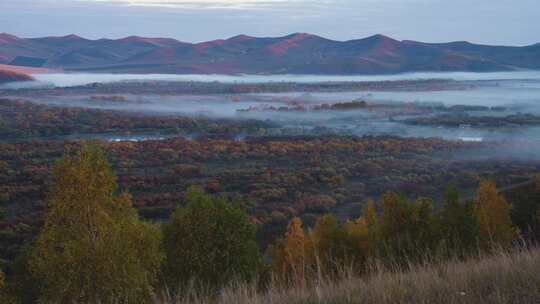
x=93, y=248
x=496, y=279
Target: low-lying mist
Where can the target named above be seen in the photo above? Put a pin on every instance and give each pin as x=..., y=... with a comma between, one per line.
x=299, y=114
x=495, y=95
x=80, y=79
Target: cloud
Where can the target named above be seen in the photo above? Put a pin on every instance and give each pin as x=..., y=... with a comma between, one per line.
x=211, y=4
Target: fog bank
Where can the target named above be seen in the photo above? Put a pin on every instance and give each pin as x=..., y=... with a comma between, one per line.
x=77, y=79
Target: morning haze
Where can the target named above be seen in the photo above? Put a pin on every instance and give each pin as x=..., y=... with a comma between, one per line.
x=494, y=22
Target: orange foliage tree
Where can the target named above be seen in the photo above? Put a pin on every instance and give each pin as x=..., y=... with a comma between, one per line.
x=289, y=254
x=493, y=214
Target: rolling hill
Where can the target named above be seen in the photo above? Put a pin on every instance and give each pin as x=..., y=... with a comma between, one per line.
x=298, y=53
x=11, y=76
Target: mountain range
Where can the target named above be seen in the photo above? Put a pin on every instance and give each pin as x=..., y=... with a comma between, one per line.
x=298, y=53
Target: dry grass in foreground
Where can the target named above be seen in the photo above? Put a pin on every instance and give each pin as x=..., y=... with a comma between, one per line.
x=501, y=278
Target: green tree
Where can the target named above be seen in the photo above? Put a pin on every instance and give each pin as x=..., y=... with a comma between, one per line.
x=493, y=213
x=405, y=228
x=458, y=223
x=24, y=286
x=3, y=292
x=538, y=217
x=370, y=216
x=424, y=224
x=329, y=243
x=537, y=227
x=525, y=203
x=372, y=224
x=93, y=248
x=5, y=296
x=359, y=242
x=210, y=242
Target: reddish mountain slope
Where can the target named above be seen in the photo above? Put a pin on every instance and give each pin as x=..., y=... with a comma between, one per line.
x=10, y=76
x=298, y=53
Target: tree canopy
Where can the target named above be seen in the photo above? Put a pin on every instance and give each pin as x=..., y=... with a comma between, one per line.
x=458, y=223
x=210, y=241
x=493, y=213
x=93, y=248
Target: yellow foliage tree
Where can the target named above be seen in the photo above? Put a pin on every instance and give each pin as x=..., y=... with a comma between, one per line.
x=295, y=247
x=493, y=214
x=289, y=255
x=93, y=248
x=358, y=232
x=370, y=216
x=362, y=236
x=359, y=242
x=323, y=234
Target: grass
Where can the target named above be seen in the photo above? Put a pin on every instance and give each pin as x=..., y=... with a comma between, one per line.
x=500, y=278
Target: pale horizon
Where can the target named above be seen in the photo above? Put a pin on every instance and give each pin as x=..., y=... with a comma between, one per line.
x=480, y=21
x=242, y=34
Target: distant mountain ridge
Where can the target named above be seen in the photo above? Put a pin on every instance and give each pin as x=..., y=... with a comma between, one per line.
x=298, y=53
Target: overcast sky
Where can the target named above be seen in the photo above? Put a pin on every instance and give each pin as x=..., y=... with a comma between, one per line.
x=508, y=22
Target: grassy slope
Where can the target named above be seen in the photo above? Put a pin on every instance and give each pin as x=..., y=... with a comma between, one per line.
x=502, y=278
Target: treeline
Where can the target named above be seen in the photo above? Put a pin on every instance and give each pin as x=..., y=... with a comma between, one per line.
x=24, y=120
x=458, y=119
x=401, y=233
x=206, y=88
x=94, y=248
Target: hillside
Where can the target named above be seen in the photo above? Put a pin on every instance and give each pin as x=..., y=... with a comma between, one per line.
x=298, y=53
x=24, y=69
x=11, y=76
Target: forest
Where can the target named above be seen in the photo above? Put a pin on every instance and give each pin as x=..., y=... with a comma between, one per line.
x=111, y=255
x=214, y=87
